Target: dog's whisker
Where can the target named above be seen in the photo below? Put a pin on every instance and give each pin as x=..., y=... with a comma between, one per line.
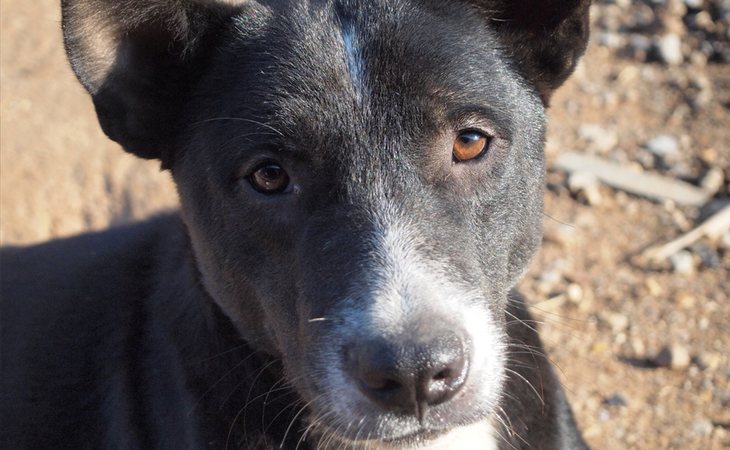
x=212, y=386
x=317, y=319
x=502, y=414
x=517, y=374
x=318, y=419
x=250, y=391
x=284, y=409
x=293, y=420
x=558, y=221
x=218, y=355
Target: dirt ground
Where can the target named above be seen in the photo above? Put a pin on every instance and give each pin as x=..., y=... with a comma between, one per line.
x=603, y=315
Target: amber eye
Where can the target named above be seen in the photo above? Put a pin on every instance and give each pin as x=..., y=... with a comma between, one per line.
x=469, y=145
x=269, y=178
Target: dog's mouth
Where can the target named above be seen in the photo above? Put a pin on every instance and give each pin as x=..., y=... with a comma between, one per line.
x=413, y=440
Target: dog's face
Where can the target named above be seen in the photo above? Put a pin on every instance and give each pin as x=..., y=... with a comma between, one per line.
x=362, y=187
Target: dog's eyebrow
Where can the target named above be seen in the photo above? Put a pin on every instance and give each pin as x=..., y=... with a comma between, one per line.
x=474, y=115
x=242, y=119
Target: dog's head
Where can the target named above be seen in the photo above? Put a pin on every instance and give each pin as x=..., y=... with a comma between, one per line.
x=362, y=183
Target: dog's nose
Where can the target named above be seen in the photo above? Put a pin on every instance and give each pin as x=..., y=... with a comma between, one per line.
x=410, y=376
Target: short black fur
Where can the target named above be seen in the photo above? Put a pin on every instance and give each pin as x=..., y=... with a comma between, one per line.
x=229, y=325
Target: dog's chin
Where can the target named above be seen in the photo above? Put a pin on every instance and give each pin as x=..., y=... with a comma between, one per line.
x=477, y=435
x=415, y=440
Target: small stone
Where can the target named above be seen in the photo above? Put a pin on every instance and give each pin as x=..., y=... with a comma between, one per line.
x=599, y=347
x=683, y=262
x=549, y=279
x=725, y=241
x=574, y=292
x=616, y=321
x=698, y=59
x=708, y=255
x=702, y=427
x=604, y=415
x=704, y=94
x=609, y=39
x=675, y=357
x=560, y=233
x=663, y=145
x=585, y=187
x=598, y=137
x=640, y=44
x=655, y=289
x=694, y=4
x=704, y=323
x=638, y=347
x=709, y=361
x=669, y=48
x=685, y=300
x=615, y=400
x=713, y=180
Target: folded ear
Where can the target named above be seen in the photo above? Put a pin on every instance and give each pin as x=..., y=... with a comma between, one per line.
x=138, y=60
x=545, y=37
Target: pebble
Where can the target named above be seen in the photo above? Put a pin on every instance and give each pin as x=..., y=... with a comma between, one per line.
x=548, y=280
x=598, y=137
x=585, y=187
x=604, y=415
x=610, y=39
x=615, y=400
x=640, y=46
x=663, y=145
x=637, y=347
x=694, y=4
x=560, y=233
x=616, y=321
x=669, y=49
x=683, y=262
x=709, y=361
x=574, y=292
x=725, y=241
x=708, y=255
x=685, y=300
x=675, y=357
x=702, y=427
x=655, y=289
x=713, y=180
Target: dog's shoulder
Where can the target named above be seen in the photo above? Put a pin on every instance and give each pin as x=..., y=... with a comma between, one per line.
x=89, y=272
x=73, y=319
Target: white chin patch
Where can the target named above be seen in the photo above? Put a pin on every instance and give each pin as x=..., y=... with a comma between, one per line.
x=480, y=436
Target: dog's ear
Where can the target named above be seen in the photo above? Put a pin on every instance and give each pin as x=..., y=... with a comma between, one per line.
x=137, y=59
x=546, y=38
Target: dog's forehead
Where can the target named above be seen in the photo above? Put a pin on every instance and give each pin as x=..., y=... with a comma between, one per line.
x=332, y=69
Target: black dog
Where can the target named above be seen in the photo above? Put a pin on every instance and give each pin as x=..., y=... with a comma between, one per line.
x=361, y=187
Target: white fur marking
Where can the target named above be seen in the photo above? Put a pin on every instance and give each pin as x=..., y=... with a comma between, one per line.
x=480, y=436
x=353, y=53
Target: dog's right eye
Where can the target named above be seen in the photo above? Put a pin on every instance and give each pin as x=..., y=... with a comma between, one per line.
x=269, y=178
x=470, y=145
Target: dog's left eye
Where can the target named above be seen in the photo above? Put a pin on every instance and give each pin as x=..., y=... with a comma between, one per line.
x=269, y=178
x=470, y=145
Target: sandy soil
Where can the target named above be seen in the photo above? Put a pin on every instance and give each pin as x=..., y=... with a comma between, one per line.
x=603, y=317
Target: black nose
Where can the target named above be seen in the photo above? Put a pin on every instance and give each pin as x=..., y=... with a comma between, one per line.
x=408, y=376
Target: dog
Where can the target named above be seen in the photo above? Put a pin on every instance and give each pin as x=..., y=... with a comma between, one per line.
x=361, y=188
